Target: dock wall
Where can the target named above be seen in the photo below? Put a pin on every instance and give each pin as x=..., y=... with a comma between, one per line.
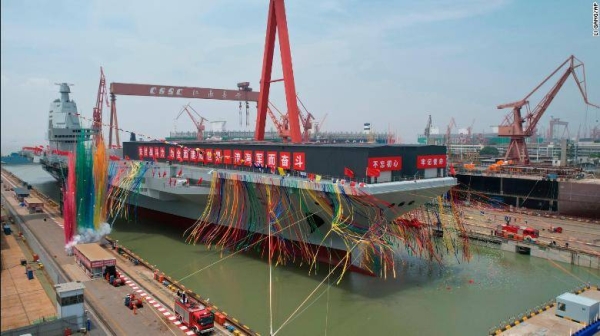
x=556, y=253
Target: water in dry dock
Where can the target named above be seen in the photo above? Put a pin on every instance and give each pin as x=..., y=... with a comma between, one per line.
x=420, y=301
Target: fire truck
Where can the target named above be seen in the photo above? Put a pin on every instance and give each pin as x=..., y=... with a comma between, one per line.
x=517, y=232
x=194, y=315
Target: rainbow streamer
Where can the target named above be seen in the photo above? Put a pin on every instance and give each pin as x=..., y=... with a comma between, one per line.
x=239, y=211
x=69, y=209
x=85, y=192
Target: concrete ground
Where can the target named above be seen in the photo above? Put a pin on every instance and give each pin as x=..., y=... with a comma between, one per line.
x=155, y=317
x=578, y=234
x=23, y=301
x=548, y=324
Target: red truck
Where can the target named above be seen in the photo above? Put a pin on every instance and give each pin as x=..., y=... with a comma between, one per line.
x=194, y=315
x=517, y=232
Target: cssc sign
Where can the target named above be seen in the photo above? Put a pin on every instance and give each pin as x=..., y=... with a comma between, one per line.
x=163, y=90
x=153, y=90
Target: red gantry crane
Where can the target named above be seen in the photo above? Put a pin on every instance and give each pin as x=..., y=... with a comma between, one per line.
x=199, y=124
x=518, y=127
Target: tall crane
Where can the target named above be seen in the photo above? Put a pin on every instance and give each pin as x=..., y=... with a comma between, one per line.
x=518, y=128
x=319, y=125
x=306, y=120
x=427, y=131
x=199, y=124
x=283, y=126
x=557, y=122
x=100, y=99
x=451, y=125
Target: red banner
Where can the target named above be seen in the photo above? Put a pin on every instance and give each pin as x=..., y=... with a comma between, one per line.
x=193, y=156
x=178, y=155
x=227, y=159
x=259, y=159
x=271, y=159
x=171, y=153
x=151, y=152
x=431, y=161
x=299, y=161
x=186, y=154
x=386, y=163
x=285, y=159
x=201, y=155
x=209, y=156
x=140, y=152
x=248, y=158
x=146, y=151
x=218, y=156
x=237, y=157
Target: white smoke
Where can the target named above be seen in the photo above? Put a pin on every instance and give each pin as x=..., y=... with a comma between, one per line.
x=88, y=236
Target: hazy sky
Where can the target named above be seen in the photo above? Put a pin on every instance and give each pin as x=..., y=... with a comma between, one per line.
x=390, y=63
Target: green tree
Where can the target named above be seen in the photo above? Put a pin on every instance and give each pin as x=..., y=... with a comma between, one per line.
x=489, y=151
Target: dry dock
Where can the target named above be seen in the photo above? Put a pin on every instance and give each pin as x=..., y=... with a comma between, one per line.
x=44, y=233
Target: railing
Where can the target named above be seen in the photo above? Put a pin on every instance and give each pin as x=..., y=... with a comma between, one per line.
x=298, y=174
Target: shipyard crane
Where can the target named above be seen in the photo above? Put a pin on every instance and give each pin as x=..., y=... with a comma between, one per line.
x=427, y=131
x=451, y=125
x=283, y=126
x=199, y=124
x=306, y=120
x=518, y=127
x=557, y=122
x=100, y=99
x=319, y=125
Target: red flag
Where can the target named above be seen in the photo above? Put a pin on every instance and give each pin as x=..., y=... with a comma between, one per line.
x=180, y=172
x=164, y=173
x=452, y=171
x=311, y=176
x=199, y=181
x=127, y=157
x=352, y=184
x=348, y=172
x=373, y=172
x=170, y=181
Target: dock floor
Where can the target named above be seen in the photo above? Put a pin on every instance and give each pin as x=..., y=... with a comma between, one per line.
x=23, y=301
x=547, y=323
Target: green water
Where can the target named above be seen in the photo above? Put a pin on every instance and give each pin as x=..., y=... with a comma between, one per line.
x=422, y=300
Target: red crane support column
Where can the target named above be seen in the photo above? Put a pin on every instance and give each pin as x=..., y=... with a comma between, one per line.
x=277, y=21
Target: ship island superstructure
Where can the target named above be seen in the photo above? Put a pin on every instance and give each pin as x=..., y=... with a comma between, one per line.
x=64, y=132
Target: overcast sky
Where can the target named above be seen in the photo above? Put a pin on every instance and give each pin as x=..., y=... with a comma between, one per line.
x=390, y=63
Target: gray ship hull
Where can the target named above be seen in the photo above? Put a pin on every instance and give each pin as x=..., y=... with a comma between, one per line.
x=182, y=205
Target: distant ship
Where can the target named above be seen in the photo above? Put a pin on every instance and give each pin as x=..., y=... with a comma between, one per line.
x=17, y=158
x=64, y=132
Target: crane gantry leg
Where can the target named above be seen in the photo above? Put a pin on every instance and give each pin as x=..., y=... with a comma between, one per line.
x=277, y=22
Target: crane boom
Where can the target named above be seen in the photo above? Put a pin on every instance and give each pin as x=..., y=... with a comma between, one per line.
x=97, y=114
x=199, y=124
x=282, y=126
x=513, y=123
x=306, y=121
